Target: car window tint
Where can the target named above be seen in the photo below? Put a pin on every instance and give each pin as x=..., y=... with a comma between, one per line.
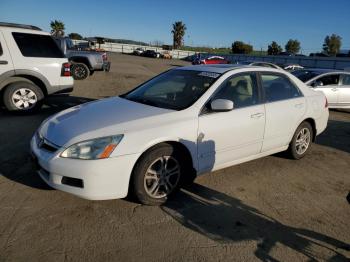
x=33, y=45
x=329, y=80
x=346, y=80
x=242, y=90
x=278, y=88
x=176, y=89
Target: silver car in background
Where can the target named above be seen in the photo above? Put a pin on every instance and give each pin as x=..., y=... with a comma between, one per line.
x=335, y=84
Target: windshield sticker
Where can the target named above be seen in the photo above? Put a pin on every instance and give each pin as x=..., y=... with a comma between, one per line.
x=209, y=74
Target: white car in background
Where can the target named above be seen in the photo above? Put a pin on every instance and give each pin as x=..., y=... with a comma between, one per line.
x=335, y=84
x=182, y=123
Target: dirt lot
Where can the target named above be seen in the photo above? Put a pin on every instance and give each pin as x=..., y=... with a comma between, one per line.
x=271, y=209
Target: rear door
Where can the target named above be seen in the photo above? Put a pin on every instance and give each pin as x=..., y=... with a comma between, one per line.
x=5, y=58
x=329, y=85
x=285, y=106
x=344, y=91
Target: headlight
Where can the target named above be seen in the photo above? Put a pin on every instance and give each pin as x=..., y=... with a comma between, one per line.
x=98, y=148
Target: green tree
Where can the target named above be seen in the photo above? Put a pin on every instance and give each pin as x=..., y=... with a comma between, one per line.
x=57, y=28
x=274, y=49
x=178, y=31
x=292, y=46
x=332, y=44
x=239, y=47
x=75, y=36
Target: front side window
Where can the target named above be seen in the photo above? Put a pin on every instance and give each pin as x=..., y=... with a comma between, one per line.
x=278, y=87
x=328, y=80
x=34, y=45
x=242, y=90
x=175, y=89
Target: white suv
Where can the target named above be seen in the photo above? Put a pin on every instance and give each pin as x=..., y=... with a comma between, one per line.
x=32, y=66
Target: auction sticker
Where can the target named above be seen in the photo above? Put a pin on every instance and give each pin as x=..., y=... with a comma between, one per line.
x=209, y=74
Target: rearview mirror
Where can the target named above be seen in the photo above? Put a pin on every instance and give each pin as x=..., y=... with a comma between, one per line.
x=221, y=105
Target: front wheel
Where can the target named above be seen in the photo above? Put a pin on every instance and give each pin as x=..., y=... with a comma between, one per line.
x=80, y=71
x=301, y=141
x=24, y=97
x=157, y=175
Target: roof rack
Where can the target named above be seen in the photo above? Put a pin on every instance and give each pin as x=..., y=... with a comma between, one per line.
x=20, y=26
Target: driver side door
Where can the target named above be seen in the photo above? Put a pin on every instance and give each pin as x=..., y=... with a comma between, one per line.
x=329, y=85
x=226, y=137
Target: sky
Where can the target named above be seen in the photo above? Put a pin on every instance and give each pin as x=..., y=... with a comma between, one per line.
x=209, y=23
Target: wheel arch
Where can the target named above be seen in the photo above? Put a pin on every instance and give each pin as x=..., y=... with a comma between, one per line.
x=81, y=59
x=312, y=122
x=24, y=78
x=178, y=144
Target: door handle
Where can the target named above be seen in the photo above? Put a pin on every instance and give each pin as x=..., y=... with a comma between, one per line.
x=299, y=105
x=257, y=115
x=334, y=89
x=3, y=62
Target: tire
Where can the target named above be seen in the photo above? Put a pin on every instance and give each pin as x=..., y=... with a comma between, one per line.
x=152, y=190
x=80, y=71
x=107, y=67
x=301, y=141
x=24, y=97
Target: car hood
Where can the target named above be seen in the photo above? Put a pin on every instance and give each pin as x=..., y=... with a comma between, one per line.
x=111, y=116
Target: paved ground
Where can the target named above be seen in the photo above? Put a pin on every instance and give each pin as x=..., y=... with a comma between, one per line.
x=271, y=209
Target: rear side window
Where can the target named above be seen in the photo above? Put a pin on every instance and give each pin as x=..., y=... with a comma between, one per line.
x=328, y=80
x=278, y=87
x=0, y=49
x=33, y=45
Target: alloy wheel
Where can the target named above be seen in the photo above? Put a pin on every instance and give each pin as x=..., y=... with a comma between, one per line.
x=302, y=141
x=24, y=99
x=162, y=177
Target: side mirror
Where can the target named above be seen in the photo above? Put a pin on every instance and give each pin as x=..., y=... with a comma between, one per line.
x=221, y=105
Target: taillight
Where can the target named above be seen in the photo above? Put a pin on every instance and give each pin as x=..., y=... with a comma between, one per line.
x=66, y=69
x=326, y=104
x=104, y=56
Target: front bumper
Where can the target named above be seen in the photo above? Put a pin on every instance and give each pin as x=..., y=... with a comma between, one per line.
x=90, y=179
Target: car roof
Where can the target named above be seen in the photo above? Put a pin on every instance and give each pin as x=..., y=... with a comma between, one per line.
x=216, y=68
x=10, y=27
x=323, y=70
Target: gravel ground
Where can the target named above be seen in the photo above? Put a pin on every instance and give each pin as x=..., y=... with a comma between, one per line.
x=271, y=209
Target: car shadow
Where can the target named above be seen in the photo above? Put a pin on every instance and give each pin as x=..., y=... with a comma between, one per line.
x=225, y=219
x=336, y=135
x=15, y=134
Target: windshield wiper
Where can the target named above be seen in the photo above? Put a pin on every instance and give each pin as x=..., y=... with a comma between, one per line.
x=143, y=101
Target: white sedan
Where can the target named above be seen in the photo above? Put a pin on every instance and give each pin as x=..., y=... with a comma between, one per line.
x=182, y=123
x=335, y=84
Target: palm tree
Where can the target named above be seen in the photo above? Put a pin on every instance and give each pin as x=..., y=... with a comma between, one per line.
x=57, y=28
x=178, y=32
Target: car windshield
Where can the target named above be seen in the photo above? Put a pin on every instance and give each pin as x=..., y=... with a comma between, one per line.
x=305, y=75
x=175, y=89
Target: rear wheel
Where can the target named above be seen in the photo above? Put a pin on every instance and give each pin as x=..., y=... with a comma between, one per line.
x=80, y=71
x=157, y=174
x=301, y=142
x=23, y=97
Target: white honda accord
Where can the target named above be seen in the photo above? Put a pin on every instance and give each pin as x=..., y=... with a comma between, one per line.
x=184, y=122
